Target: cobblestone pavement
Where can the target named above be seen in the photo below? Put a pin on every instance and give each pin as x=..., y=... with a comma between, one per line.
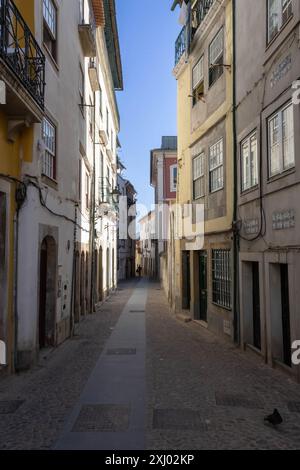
x=202, y=393
x=51, y=389
x=207, y=394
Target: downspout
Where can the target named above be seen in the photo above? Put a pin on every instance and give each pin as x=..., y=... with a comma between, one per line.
x=236, y=314
x=92, y=304
x=74, y=270
x=15, y=307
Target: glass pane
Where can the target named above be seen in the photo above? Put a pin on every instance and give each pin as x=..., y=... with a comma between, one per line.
x=274, y=17
x=275, y=166
x=216, y=48
x=198, y=73
x=288, y=138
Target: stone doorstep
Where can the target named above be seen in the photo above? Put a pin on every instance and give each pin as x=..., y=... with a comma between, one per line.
x=183, y=318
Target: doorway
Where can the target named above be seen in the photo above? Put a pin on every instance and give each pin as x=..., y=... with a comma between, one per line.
x=47, y=294
x=186, y=281
x=285, y=310
x=203, y=286
x=256, y=306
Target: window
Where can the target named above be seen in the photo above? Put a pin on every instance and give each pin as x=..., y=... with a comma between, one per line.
x=221, y=278
x=81, y=11
x=216, y=171
x=216, y=57
x=198, y=81
x=198, y=176
x=101, y=102
x=50, y=27
x=79, y=180
x=107, y=123
x=49, y=138
x=91, y=118
x=281, y=141
x=87, y=191
x=279, y=11
x=173, y=178
x=249, y=162
x=81, y=89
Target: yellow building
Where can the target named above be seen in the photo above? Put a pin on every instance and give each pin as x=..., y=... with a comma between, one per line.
x=204, y=71
x=22, y=69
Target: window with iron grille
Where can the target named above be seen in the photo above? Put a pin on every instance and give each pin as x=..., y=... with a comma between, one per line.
x=221, y=278
x=216, y=169
x=50, y=27
x=49, y=138
x=216, y=57
x=279, y=11
x=199, y=176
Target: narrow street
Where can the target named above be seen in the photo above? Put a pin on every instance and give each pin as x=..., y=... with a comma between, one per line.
x=134, y=377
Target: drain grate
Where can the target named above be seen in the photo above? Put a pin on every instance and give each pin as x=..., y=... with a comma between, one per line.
x=178, y=420
x=102, y=418
x=137, y=311
x=294, y=406
x=10, y=406
x=223, y=399
x=121, y=352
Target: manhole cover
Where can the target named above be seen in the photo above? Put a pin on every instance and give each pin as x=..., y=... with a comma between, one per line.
x=181, y=420
x=102, y=418
x=237, y=401
x=294, y=406
x=121, y=352
x=9, y=406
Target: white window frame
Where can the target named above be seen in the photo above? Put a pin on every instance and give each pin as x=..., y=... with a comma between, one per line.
x=200, y=176
x=280, y=144
x=50, y=17
x=249, y=162
x=214, y=168
x=198, y=73
x=173, y=180
x=283, y=9
x=215, y=58
x=49, y=160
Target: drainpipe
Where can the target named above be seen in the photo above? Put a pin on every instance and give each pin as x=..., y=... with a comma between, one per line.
x=236, y=314
x=73, y=286
x=93, y=209
x=15, y=304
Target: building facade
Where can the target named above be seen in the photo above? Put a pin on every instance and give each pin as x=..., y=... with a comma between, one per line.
x=147, y=245
x=127, y=241
x=268, y=161
x=163, y=170
x=59, y=138
x=204, y=54
x=22, y=93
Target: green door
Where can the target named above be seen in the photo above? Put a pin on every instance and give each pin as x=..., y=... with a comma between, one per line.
x=203, y=285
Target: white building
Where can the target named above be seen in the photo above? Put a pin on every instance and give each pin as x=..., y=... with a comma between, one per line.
x=71, y=175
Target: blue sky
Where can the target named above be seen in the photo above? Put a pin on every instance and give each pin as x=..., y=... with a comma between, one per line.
x=148, y=30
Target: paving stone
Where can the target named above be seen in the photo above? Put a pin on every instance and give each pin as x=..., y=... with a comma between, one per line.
x=9, y=406
x=183, y=420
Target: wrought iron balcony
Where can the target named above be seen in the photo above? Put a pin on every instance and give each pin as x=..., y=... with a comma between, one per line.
x=20, y=52
x=199, y=12
x=180, y=45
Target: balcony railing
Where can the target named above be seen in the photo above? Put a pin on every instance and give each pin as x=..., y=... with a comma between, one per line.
x=20, y=51
x=199, y=13
x=180, y=45
x=194, y=20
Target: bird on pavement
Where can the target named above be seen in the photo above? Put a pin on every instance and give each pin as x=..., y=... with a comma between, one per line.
x=275, y=418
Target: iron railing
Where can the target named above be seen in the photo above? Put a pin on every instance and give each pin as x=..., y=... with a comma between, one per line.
x=194, y=19
x=21, y=52
x=180, y=45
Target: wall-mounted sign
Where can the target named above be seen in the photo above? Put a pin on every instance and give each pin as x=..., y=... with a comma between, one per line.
x=281, y=70
x=283, y=220
x=251, y=227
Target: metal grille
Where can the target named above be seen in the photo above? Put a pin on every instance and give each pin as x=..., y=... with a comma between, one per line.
x=239, y=401
x=221, y=278
x=21, y=52
x=121, y=352
x=102, y=418
x=180, y=45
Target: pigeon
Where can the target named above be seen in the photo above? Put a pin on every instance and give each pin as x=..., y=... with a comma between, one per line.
x=275, y=418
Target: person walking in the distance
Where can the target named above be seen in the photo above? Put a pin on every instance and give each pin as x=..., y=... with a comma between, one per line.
x=139, y=270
